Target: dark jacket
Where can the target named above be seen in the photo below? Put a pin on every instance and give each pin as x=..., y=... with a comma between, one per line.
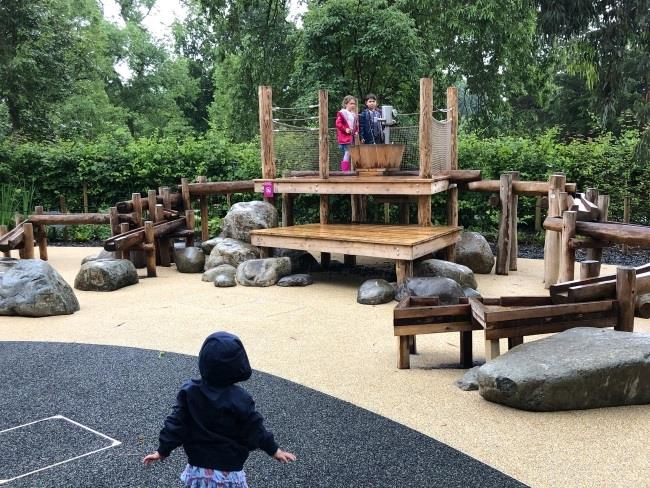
x=214, y=419
x=369, y=128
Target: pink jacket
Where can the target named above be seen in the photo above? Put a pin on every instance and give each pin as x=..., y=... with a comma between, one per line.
x=341, y=125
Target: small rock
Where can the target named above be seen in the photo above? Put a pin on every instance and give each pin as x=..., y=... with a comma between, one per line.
x=375, y=292
x=189, y=260
x=263, y=272
x=474, y=252
x=469, y=381
x=446, y=289
x=230, y=251
x=106, y=275
x=246, y=216
x=300, y=279
x=223, y=269
x=457, y=272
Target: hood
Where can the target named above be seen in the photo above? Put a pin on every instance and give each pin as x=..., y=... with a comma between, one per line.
x=223, y=360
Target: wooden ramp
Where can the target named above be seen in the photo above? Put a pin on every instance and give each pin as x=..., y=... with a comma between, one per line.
x=403, y=243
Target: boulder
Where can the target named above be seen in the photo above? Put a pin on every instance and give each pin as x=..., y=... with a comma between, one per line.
x=246, y=216
x=301, y=261
x=375, y=292
x=471, y=293
x=474, y=252
x=208, y=245
x=444, y=288
x=469, y=381
x=106, y=275
x=32, y=288
x=103, y=254
x=263, y=272
x=189, y=259
x=576, y=369
x=300, y=279
x=230, y=251
x=212, y=273
x=457, y=272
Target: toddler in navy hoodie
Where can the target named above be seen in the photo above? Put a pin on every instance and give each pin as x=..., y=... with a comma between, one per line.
x=215, y=420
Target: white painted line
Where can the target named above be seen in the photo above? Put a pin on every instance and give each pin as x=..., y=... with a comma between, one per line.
x=114, y=442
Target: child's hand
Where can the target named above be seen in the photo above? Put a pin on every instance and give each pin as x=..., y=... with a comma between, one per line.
x=149, y=459
x=284, y=456
x=347, y=130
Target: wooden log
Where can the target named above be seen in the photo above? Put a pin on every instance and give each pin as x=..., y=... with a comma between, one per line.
x=552, y=239
x=462, y=175
x=126, y=253
x=136, y=236
x=386, y=213
x=41, y=236
x=149, y=239
x=626, y=298
x=605, y=289
x=452, y=117
x=425, y=134
x=505, y=225
x=589, y=269
x=514, y=238
x=70, y=219
x=616, y=232
x=452, y=219
x=189, y=220
x=567, y=253
x=3, y=231
x=163, y=241
x=526, y=188
x=85, y=196
x=287, y=209
x=185, y=194
x=28, y=241
x=642, y=307
x=126, y=206
x=626, y=218
x=204, y=187
x=12, y=239
x=323, y=137
x=466, y=356
x=136, y=198
x=404, y=217
x=166, y=196
x=203, y=203
x=424, y=210
x=538, y=213
x=114, y=221
x=589, y=244
x=151, y=204
x=266, y=134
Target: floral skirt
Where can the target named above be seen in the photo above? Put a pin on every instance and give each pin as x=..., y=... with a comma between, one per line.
x=194, y=477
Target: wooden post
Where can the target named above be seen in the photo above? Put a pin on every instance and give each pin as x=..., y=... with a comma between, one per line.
x=589, y=269
x=137, y=209
x=466, y=358
x=189, y=220
x=492, y=349
x=266, y=134
x=203, y=202
x=505, y=225
x=287, y=209
x=229, y=200
x=514, y=243
x=163, y=242
x=3, y=231
x=28, y=241
x=325, y=257
x=404, y=213
x=538, y=213
x=626, y=218
x=323, y=137
x=126, y=253
x=452, y=193
x=567, y=253
x=114, y=221
x=63, y=208
x=403, y=351
x=386, y=213
x=556, y=184
x=626, y=298
x=642, y=308
x=150, y=248
x=85, y=197
x=185, y=192
x=151, y=205
x=426, y=147
x=41, y=236
x=166, y=196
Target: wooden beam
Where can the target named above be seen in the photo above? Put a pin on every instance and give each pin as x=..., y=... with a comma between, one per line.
x=619, y=233
x=323, y=137
x=552, y=239
x=505, y=225
x=426, y=126
x=526, y=188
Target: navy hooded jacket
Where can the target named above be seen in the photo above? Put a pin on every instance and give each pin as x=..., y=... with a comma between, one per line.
x=214, y=419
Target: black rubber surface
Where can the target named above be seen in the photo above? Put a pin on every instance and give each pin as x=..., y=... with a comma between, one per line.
x=126, y=393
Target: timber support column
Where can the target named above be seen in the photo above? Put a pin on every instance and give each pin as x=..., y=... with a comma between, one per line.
x=452, y=193
x=266, y=135
x=41, y=236
x=323, y=165
x=626, y=298
x=556, y=185
x=505, y=225
x=28, y=241
x=203, y=205
x=426, y=147
x=514, y=243
x=3, y=231
x=568, y=253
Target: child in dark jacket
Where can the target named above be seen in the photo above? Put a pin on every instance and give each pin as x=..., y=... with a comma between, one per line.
x=370, y=128
x=215, y=420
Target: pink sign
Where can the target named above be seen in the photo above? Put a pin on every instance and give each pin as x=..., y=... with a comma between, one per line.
x=268, y=189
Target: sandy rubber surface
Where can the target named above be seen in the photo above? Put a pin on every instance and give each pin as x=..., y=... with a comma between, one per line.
x=320, y=337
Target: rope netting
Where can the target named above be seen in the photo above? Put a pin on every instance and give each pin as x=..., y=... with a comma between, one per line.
x=295, y=140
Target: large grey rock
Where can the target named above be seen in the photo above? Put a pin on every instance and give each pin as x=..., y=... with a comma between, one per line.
x=208, y=245
x=189, y=259
x=230, y=251
x=212, y=273
x=469, y=381
x=32, y=288
x=103, y=254
x=474, y=252
x=457, y=272
x=576, y=369
x=446, y=289
x=299, y=279
x=471, y=293
x=106, y=275
x=375, y=292
x=301, y=261
x=263, y=272
x=246, y=216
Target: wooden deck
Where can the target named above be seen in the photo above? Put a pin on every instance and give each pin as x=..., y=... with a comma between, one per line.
x=400, y=242
x=358, y=185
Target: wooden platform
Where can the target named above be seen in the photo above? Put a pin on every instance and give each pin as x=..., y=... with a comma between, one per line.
x=403, y=243
x=358, y=185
